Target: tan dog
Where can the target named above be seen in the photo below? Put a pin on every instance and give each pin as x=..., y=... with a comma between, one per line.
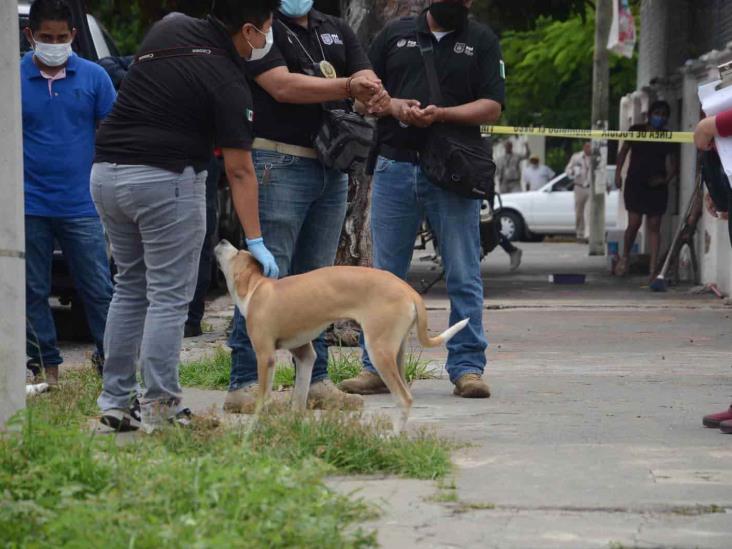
x=291, y=312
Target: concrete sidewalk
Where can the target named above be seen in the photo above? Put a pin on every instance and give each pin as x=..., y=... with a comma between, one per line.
x=593, y=435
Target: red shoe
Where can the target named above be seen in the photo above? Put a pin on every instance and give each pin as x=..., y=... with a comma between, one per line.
x=713, y=420
x=726, y=427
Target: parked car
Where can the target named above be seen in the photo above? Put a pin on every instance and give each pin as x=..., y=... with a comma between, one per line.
x=550, y=210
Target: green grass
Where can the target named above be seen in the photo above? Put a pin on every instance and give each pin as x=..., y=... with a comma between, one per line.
x=208, y=486
x=212, y=372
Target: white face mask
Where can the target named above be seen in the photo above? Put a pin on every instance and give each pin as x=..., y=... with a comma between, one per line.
x=52, y=55
x=259, y=53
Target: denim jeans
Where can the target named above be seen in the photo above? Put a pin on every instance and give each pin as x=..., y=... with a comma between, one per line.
x=155, y=220
x=302, y=206
x=85, y=251
x=198, y=305
x=401, y=197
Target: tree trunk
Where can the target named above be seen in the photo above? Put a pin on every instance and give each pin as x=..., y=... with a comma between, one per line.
x=366, y=18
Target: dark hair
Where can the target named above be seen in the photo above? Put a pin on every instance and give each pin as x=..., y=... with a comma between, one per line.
x=49, y=10
x=234, y=13
x=658, y=105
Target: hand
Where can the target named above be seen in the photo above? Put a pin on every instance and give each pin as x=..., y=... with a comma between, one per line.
x=712, y=208
x=705, y=132
x=380, y=103
x=401, y=109
x=364, y=88
x=260, y=252
x=618, y=182
x=424, y=118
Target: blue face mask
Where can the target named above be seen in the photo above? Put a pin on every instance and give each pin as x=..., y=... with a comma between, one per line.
x=296, y=8
x=658, y=122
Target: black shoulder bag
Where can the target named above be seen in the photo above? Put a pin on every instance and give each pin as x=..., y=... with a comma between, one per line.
x=451, y=158
x=344, y=140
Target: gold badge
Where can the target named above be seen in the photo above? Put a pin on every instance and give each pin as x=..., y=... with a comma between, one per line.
x=328, y=69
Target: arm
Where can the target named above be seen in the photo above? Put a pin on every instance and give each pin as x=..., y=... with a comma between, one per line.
x=288, y=87
x=244, y=189
x=622, y=155
x=105, y=96
x=245, y=195
x=482, y=111
x=711, y=127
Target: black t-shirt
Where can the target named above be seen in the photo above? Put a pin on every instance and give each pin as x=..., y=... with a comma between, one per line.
x=648, y=159
x=468, y=63
x=170, y=112
x=326, y=37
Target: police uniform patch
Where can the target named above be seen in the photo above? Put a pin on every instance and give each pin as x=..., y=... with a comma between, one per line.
x=412, y=44
x=459, y=47
x=402, y=43
x=327, y=39
x=469, y=50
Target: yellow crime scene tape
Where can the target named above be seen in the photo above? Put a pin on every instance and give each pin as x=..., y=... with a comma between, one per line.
x=663, y=136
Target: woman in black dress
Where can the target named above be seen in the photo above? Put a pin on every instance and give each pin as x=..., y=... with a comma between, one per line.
x=652, y=167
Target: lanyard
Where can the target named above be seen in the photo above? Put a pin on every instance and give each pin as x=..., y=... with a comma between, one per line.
x=291, y=34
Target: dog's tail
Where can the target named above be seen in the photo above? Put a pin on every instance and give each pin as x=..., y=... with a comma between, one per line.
x=422, y=334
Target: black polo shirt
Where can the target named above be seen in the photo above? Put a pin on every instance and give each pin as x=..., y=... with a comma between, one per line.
x=469, y=66
x=171, y=111
x=326, y=37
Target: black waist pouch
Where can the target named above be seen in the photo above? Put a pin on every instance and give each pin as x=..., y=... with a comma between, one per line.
x=458, y=163
x=345, y=140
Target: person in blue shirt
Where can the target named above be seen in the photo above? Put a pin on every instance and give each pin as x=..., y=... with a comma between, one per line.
x=64, y=97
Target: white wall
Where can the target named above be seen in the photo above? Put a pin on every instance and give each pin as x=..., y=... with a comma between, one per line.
x=12, y=238
x=713, y=245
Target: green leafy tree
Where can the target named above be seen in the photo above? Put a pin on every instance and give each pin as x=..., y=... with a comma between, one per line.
x=549, y=74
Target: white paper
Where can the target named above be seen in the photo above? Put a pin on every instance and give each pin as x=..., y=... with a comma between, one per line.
x=714, y=102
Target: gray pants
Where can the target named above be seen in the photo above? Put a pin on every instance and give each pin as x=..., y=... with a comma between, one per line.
x=581, y=210
x=156, y=222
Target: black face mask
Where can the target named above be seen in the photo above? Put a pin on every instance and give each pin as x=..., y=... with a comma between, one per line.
x=449, y=15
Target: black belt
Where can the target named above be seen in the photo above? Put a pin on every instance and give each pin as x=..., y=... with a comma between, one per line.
x=399, y=155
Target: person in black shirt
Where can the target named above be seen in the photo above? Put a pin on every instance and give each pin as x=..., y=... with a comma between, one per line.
x=471, y=76
x=652, y=168
x=185, y=92
x=302, y=203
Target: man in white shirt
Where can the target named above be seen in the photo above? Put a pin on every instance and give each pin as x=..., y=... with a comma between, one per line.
x=579, y=170
x=535, y=175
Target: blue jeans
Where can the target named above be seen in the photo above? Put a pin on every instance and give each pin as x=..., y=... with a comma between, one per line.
x=302, y=206
x=156, y=221
x=85, y=250
x=401, y=197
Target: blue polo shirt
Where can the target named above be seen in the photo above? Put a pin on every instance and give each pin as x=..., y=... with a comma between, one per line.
x=59, y=125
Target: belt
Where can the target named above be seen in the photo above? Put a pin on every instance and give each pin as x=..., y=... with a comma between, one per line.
x=399, y=155
x=284, y=148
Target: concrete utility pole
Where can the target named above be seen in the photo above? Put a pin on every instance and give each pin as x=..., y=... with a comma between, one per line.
x=600, y=107
x=12, y=237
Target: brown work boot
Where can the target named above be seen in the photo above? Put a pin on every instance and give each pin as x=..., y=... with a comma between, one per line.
x=242, y=401
x=324, y=395
x=365, y=383
x=471, y=386
x=51, y=376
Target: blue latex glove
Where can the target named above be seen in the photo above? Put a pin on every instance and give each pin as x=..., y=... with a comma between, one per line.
x=260, y=252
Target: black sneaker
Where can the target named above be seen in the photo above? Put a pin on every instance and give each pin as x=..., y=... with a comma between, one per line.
x=135, y=411
x=183, y=417
x=122, y=421
x=192, y=330
x=34, y=367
